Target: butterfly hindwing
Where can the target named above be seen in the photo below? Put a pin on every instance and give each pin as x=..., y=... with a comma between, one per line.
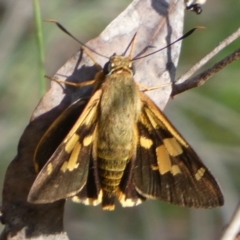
x=91, y=193
x=167, y=168
x=66, y=172
x=128, y=195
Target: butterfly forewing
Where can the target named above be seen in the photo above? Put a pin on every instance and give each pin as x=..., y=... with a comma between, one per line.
x=91, y=193
x=66, y=172
x=167, y=168
x=55, y=134
x=128, y=195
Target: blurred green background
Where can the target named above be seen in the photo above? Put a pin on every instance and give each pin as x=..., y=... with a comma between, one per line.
x=208, y=117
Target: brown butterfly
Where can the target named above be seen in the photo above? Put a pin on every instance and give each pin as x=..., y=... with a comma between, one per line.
x=119, y=145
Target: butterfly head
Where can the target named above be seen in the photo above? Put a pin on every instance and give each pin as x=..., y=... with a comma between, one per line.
x=118, y=64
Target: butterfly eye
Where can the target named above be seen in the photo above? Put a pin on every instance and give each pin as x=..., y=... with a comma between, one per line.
x=107, y=68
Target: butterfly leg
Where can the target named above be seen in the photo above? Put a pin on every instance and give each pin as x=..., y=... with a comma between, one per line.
x=145, y=88
x=78, y=85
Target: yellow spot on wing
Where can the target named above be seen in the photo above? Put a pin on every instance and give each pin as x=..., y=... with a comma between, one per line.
x=109, y=207
x=144, y=120
x=49, y=168
x=90, y=117
x=163, y=159
x=76, y=199
x=145, y=142
x=172, y=146
x=154, y=168
x=152, y=120
x=175, y=170
x=70, y=144
x=199, y=173
x=72, y=164
x=36, y=166
x=87, y=113
x=128, y=202
x=88, y=201
x=159, y=119
x=87, y=140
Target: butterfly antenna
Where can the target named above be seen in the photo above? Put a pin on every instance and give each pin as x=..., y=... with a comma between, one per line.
x=131, y=44
x=69, y=34
x=179, y=39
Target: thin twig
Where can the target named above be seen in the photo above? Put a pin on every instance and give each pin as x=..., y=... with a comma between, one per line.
x=233, y=227
x=209, y=56
x=201, y=78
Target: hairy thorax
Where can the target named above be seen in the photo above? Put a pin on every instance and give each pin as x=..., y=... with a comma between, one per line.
x=120, y=106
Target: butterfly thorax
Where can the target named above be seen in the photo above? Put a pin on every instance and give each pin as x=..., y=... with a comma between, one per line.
x=120, y=108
